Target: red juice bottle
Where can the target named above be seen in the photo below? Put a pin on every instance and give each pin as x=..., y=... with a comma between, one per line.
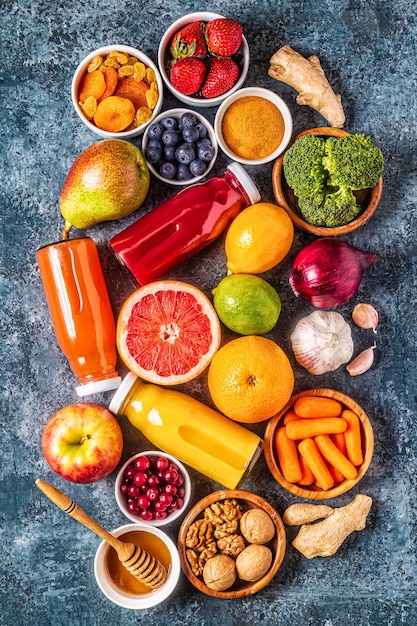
x=183, y=225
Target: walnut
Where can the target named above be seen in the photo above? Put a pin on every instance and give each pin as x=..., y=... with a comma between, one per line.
x=253, y=562
x=225, y=511
x=226, y=529
x=219, y=572
x=232, y=545
x=196, y=563
x=209, y=551
x=256, y=526
x=199, y=535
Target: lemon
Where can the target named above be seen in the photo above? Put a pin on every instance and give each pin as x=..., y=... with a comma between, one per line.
x=247, y=304
x=258, y=239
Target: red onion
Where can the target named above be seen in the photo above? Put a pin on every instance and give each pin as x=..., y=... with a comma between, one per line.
x=328, y=271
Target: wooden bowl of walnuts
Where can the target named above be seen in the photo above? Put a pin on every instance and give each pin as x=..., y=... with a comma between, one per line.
x=231, y=544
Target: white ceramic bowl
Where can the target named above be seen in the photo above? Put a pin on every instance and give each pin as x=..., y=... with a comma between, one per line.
x=262, y=93
x=163, y=58
x=121, y=498
x=177, y=113
x=127, y=600
x=81, y=70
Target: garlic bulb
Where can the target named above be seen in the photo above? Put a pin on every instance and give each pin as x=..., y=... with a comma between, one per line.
x=362, y=362
x=322, y=341
x=365, y=316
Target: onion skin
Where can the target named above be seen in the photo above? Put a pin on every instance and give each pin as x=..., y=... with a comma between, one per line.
x=328, y=271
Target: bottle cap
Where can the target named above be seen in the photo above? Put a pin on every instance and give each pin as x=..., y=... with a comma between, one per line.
x=120, y=395
x=98, y=386
x=246, y=182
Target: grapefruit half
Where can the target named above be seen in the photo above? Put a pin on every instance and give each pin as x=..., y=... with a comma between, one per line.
x=167, y=332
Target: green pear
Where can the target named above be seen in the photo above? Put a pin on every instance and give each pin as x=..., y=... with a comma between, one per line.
x=107, y=181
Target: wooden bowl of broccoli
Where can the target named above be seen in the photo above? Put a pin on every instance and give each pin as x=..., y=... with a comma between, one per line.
x=329, y=181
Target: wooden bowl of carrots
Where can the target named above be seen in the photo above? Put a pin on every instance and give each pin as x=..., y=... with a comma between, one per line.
x=368, y=199
x=319, y=445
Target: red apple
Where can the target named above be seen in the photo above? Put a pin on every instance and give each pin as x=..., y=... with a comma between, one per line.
x=83, y=442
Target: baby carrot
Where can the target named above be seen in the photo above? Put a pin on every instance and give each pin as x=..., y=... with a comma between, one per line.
x=307, y=475
x=316, y=463
x=289, y=416
x=299, y=429
x=353, y=437
x=333, y=455
x=286, y=450
x=339, y=441
x=317, y=406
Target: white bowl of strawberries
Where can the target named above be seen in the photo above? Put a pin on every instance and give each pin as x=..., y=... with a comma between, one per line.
x=203, y=58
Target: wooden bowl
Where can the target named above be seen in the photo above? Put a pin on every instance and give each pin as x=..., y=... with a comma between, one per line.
x=248, y=500
x=367, y=198
x=314, y=492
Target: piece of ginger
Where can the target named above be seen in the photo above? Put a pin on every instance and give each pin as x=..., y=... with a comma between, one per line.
x=308, y=78
x=324, y=538
x=303, y=513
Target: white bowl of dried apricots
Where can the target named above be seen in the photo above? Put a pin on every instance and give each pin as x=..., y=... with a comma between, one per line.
x=117, y=91
x=320, y=445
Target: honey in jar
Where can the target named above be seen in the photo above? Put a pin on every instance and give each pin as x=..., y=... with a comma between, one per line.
x=124, y=580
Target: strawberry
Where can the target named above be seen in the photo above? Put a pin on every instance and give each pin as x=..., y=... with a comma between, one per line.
x=224, y=36
x=222, y=75
x=187, y=75
x=189, y=41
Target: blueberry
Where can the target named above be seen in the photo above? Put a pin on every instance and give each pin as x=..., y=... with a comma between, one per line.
x=155, y=131
x=169, y=153
x=206, y=141
x=205, y=152
x=188, y=119
x=170, y=123
x=185, y=153
x=153, y=154
x=202, y=129
x=170, y=137
x=154, y=142
x=197, y=167
x=190, y=134
x=168, y=170
x=184, y=172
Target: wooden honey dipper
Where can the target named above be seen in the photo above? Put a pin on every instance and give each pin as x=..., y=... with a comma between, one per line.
x=137, y=561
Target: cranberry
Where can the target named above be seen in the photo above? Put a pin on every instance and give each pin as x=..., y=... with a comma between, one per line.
x=179, y=481
x=165, y=498
x=133, y=508
x=143, y=502
x=162, y=463
x=129, y=472
x=140, y=479
x=160, y=506
x=146, y=515
x=142, y=464
x=152, y=493
x=153, y=480
x=181, y=492
x=171, y=475
x=161, y=514
x=124, y=487
x=133, y=491
x=170, y=488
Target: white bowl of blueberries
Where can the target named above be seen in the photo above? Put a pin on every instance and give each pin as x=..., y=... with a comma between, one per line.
x=180, y=146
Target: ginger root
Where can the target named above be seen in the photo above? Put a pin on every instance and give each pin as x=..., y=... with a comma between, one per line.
x=308, y=78
x=325, y=538
x=299, y=514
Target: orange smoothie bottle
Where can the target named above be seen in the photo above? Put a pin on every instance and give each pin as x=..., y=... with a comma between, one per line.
x=197, y=435
x=81, y=312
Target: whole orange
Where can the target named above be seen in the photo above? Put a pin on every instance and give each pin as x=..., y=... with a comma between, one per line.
x=250, y=379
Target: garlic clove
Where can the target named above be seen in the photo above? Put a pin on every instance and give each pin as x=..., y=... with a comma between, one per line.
x=365, y=316
x=362, y=363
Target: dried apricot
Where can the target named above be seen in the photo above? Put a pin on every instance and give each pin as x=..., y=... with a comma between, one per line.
x=114, y=114
x=134, y=90
x=92, y=84
x=111, y=79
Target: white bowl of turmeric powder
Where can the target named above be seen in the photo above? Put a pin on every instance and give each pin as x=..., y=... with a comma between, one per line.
x=253, y=126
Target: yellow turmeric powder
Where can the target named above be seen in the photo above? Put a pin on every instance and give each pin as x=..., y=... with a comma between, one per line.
x=252, y=127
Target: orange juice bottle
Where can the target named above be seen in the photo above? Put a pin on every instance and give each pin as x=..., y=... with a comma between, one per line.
x=81, y=312
x=197, y=435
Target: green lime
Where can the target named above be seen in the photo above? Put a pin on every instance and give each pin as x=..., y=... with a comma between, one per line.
x=247, y=304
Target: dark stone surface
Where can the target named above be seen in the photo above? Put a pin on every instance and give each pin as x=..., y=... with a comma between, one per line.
x=368, y=50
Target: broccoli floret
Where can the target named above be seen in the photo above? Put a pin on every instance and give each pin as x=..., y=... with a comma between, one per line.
x=353, y=162
x=338, y=207
x=303, y=167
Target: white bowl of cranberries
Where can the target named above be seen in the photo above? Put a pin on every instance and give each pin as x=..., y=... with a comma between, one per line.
x=203, y=57
x=153, y=487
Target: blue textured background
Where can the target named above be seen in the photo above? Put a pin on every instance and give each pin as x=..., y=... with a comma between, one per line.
x=368, y=51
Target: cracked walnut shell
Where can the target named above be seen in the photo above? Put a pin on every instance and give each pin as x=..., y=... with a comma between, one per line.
x=256, y=526
x=219, y=572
